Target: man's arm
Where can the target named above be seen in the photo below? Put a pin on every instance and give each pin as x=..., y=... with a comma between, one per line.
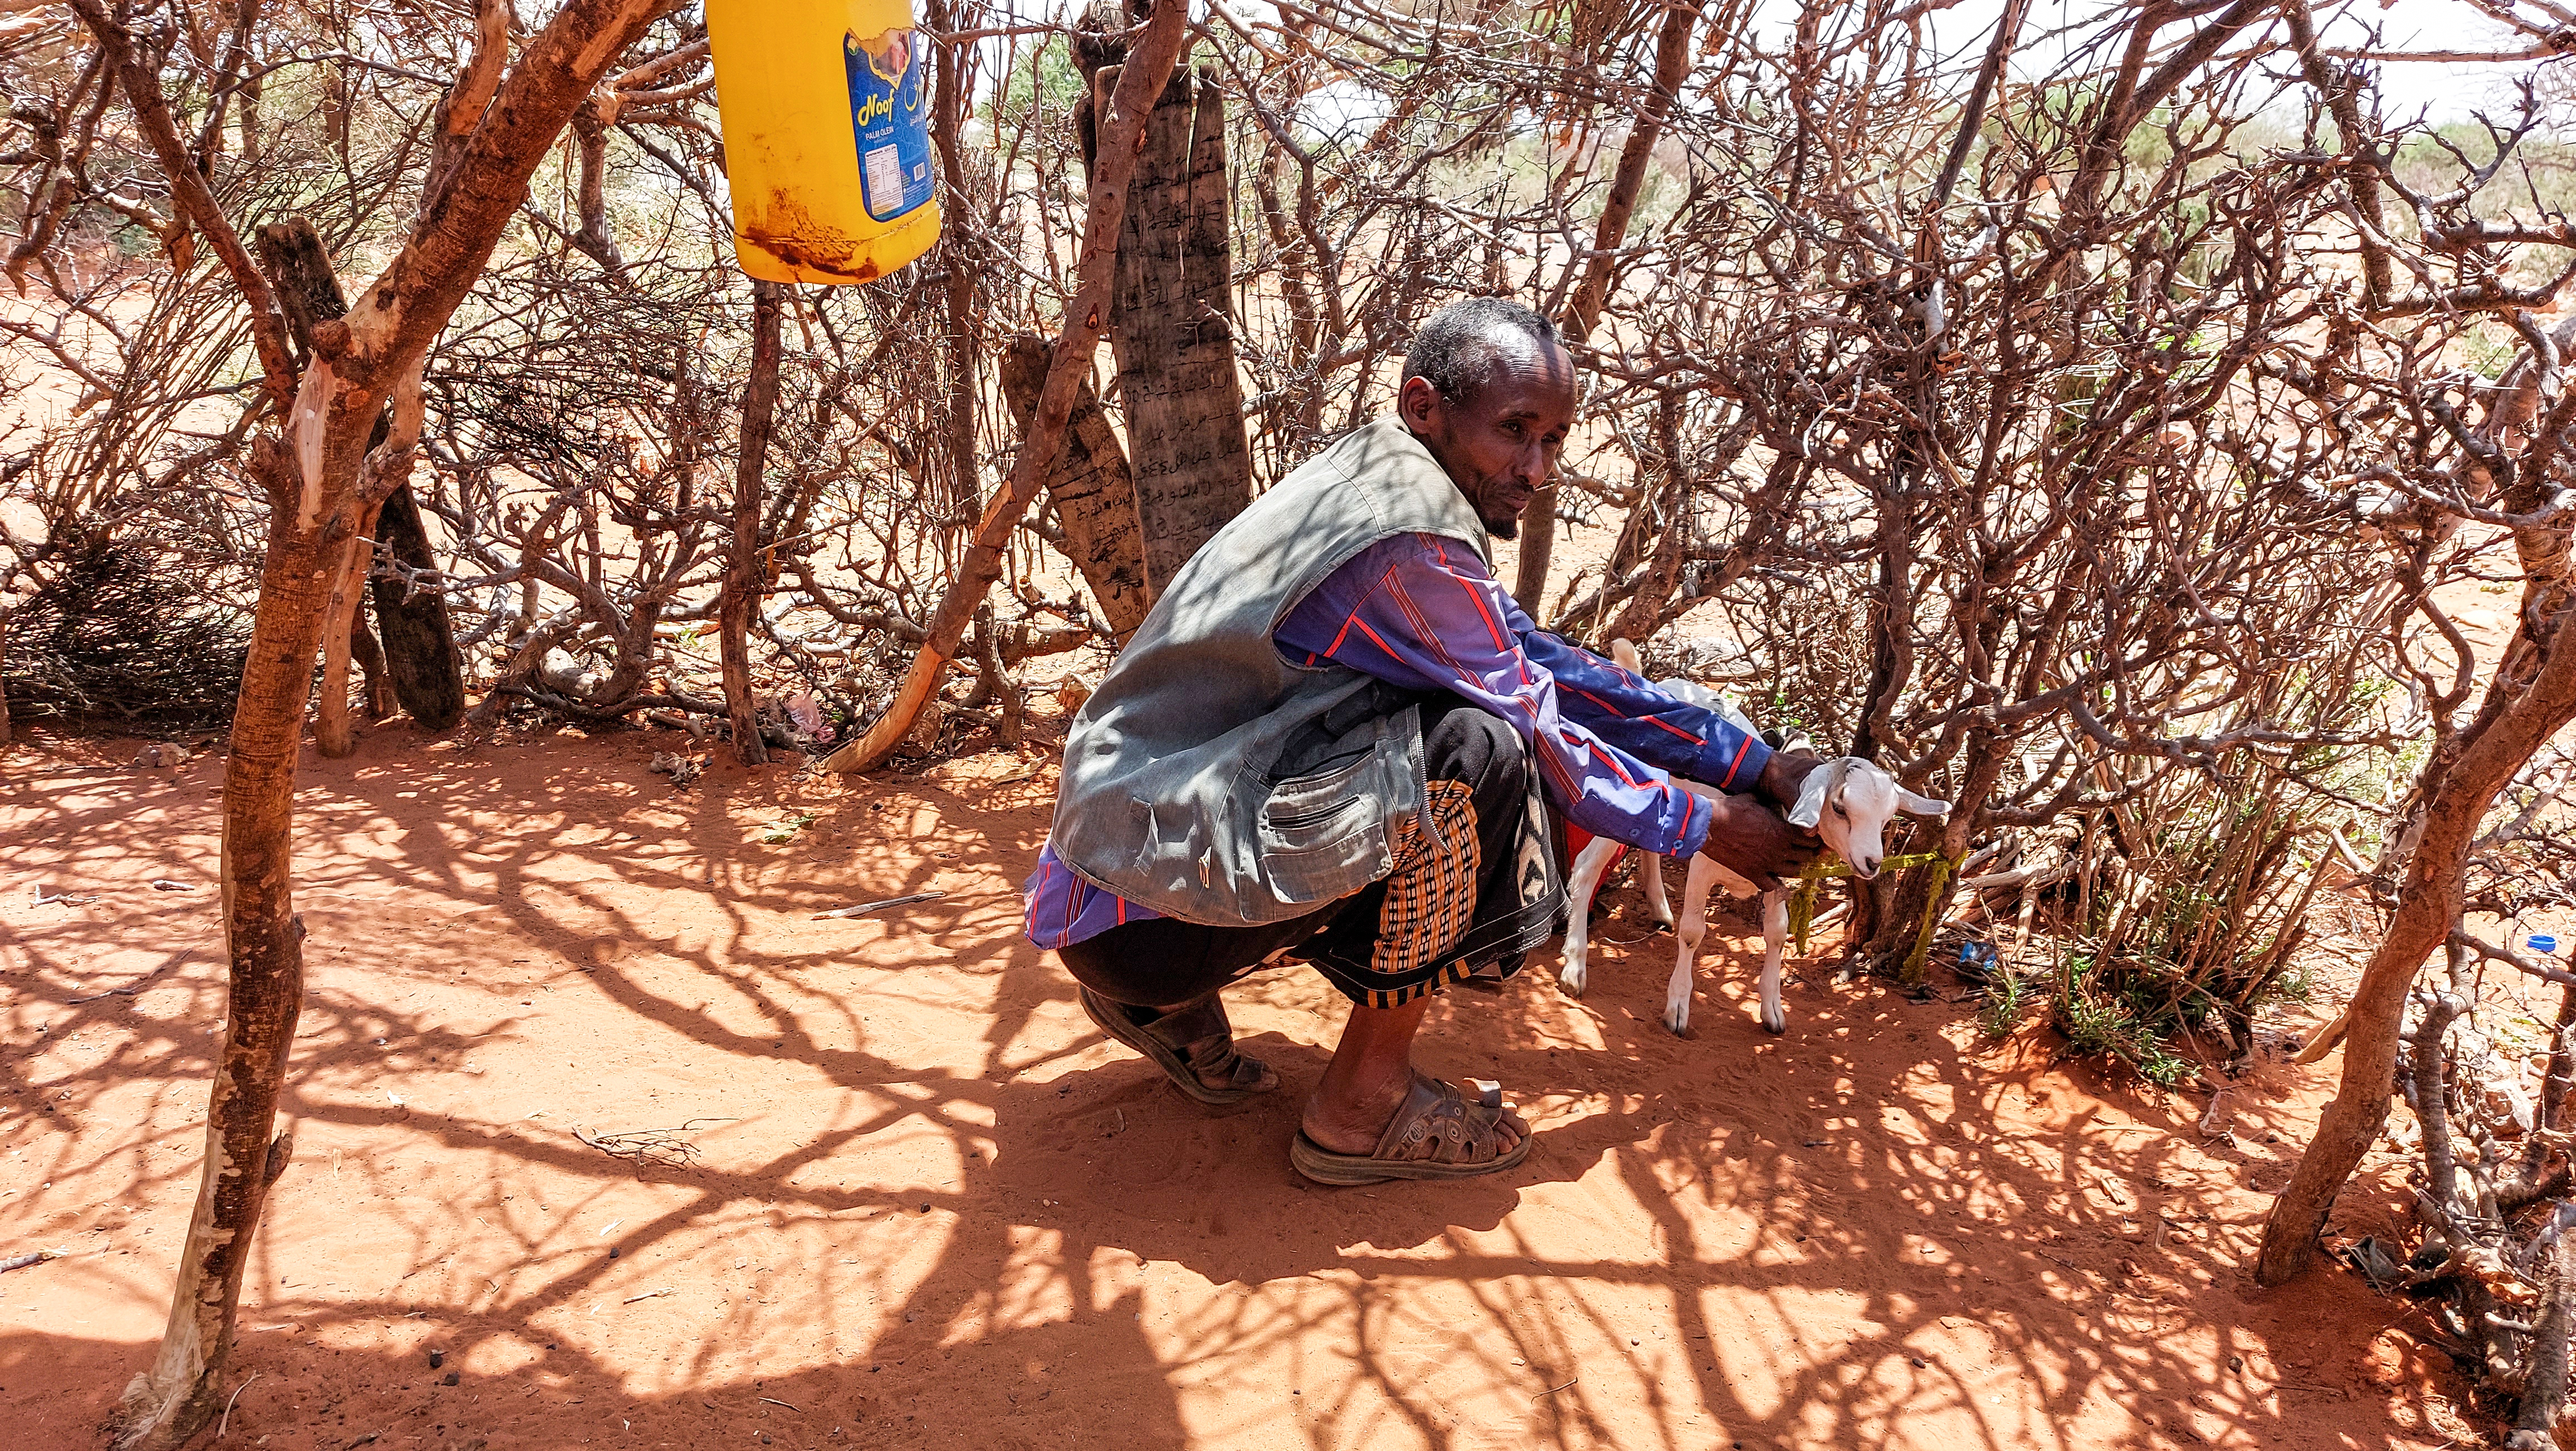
x=1640, y=717
x=1656, y=726
x=1424, y=613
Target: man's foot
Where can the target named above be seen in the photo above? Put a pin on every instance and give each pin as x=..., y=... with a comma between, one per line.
x=1354, y=1124
x=1432, y=1132
x=1214, y=1062
x=1205, y=1065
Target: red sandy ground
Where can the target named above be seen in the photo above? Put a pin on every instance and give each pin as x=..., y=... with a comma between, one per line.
x=931, y=1206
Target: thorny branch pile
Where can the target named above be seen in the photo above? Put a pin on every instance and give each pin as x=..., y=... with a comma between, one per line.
x=2113, y=421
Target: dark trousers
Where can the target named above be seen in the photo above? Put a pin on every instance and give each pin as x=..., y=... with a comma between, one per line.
x=1403, y=936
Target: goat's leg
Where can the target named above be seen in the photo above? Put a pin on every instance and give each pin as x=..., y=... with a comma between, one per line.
x=1775, y=935
x=1694, y=926
x=1571, y=973
x=1651, y=877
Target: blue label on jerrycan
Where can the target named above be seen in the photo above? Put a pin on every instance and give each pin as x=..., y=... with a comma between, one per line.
x=889, y=112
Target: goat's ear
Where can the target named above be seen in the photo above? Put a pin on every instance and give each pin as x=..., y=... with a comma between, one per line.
x=1913, y=805
x=1820, y=783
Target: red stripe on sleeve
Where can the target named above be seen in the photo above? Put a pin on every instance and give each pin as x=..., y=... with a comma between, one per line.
x=1654, y=720
x=1476, y=597
x=1741, y=747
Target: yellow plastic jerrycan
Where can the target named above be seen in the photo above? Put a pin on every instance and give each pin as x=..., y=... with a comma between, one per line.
x=826, y=112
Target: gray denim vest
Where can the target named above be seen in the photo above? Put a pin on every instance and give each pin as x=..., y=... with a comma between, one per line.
x=1175, y=792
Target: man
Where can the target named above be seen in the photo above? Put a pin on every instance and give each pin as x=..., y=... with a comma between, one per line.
x=1328, y=737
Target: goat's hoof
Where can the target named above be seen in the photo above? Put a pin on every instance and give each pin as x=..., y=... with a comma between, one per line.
x=1679, y=1024
x=1571, y=986
x=1775, y=1026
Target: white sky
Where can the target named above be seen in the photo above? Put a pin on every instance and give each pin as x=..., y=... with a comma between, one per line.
x=2443, y=91
x=2440, y=91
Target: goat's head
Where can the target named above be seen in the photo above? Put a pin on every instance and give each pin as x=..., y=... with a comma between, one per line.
x=1849, y=802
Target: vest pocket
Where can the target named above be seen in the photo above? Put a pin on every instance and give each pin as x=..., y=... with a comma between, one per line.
x=1323, y=835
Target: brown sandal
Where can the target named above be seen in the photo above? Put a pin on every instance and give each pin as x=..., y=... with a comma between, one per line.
x=1435, y=1134
x=1244, y=1075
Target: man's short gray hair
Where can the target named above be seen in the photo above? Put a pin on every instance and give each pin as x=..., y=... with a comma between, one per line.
x=1455, y=346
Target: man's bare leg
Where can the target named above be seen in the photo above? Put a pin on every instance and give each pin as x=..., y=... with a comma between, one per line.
x=1371, y=1071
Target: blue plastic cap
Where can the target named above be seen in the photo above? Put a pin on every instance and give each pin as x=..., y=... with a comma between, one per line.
x=2541, y=942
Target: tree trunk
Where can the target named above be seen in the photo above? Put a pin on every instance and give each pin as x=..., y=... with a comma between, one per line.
x=168, y=1404
x=375, y=686
x=322, y=480
x=966, y=495
x=5, y=615
x=411, y=616
x=1157, y=48
x=1094, y=495
x=1583, y=310
x=2512, y=723
x=334, y=734
x=1172, y=329
x=249, y=114
x=743, y=576
x=1638, y=618
x=419, y=640
x=2561, y=1072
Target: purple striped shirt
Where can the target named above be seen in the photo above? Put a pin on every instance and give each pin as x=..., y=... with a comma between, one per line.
x=1424, y=613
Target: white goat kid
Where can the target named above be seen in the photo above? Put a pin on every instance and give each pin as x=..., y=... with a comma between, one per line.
x=1847, y=801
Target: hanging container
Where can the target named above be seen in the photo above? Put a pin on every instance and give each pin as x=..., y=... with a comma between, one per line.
x=826, y=112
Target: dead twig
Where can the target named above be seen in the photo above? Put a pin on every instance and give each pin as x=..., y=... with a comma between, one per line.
x=127, y=991
x=227, y=1421
x=863, y=908
x=648, y=1146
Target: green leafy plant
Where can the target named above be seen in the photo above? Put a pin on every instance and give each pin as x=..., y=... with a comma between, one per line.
x=2120, y=1019
x=2008, y=997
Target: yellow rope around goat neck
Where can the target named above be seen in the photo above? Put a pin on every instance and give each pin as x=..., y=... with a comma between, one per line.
x=1802, y=901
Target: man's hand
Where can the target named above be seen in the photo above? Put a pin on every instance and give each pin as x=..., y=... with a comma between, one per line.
x=1783, y=774
x=1757, y=843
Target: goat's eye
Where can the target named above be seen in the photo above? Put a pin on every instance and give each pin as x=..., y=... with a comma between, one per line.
x=1839, y=811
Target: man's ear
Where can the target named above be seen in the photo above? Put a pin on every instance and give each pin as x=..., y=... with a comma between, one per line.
x=1420, y=405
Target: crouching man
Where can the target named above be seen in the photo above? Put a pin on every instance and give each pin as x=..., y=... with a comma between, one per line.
x=1329, y=740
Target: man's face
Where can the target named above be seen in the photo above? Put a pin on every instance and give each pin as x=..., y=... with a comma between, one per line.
x=1501, y=444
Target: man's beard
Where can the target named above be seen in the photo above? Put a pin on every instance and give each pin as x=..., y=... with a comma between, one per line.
x=1508, y=527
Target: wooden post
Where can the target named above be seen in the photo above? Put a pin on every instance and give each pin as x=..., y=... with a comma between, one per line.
x=420, y=639
x=1172, y=329
x=743, y=576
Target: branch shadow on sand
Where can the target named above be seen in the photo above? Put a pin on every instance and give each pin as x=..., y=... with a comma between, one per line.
x=920, y=1200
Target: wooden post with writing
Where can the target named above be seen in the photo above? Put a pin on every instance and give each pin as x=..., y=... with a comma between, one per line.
x=1172, y=326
